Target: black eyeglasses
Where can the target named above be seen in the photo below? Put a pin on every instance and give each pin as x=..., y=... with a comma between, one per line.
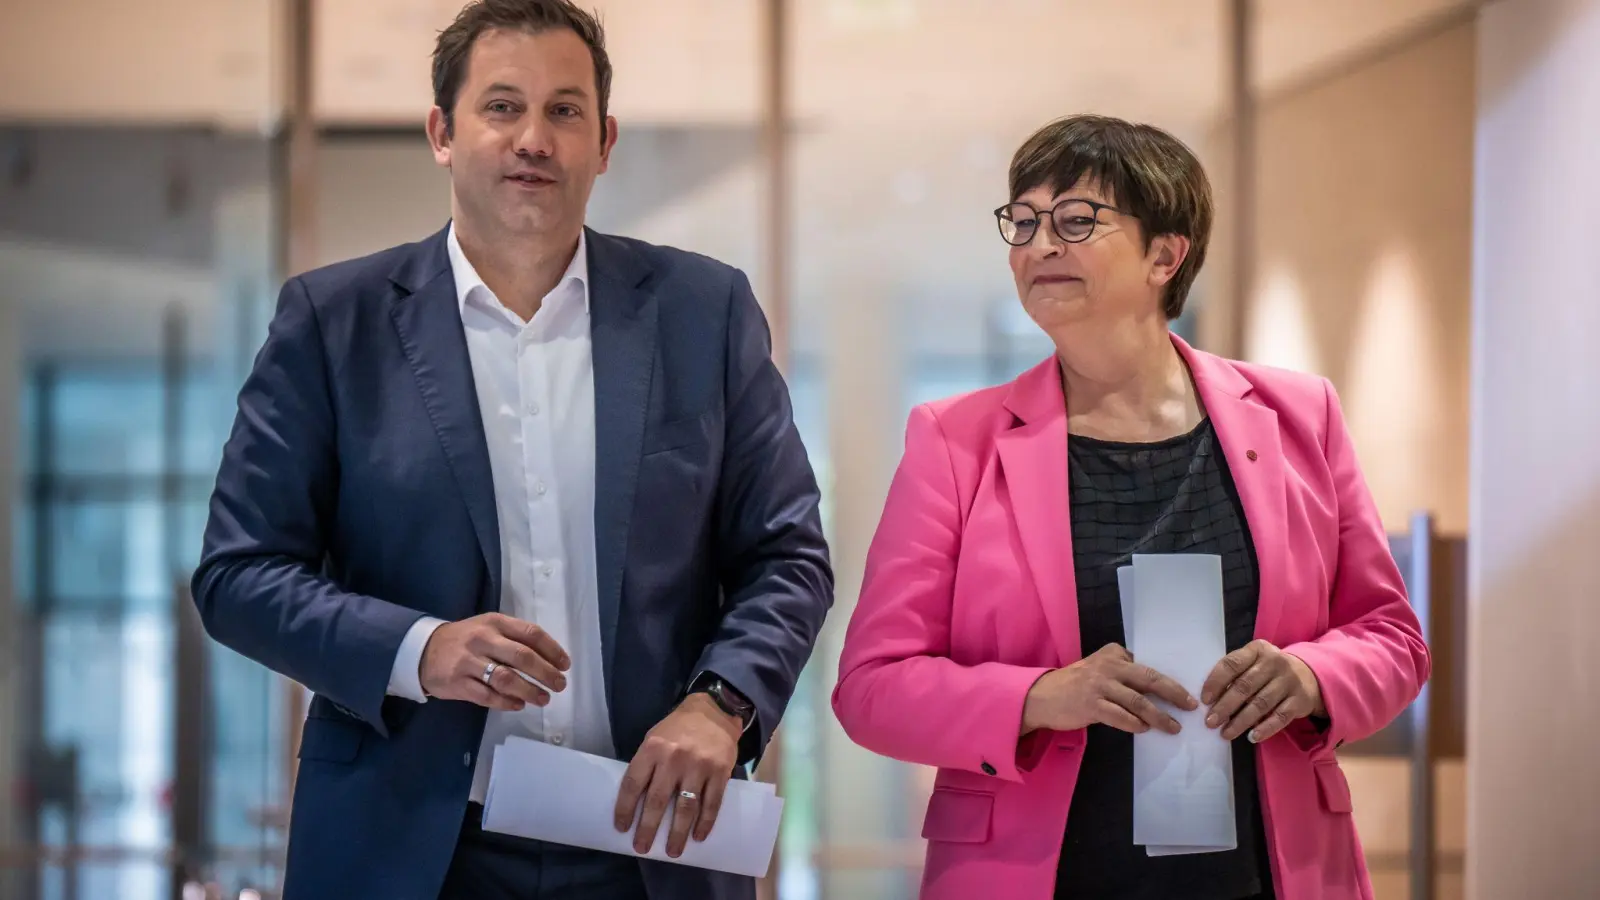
x=1073, y=220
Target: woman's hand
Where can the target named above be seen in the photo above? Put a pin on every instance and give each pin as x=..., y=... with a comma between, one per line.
x=1260, y=687
x=1107, y=687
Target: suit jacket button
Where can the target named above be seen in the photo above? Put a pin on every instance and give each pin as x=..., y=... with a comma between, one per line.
x=988, y=769
x=466, y=759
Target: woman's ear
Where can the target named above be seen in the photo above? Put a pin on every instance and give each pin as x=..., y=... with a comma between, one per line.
x=1166, y=256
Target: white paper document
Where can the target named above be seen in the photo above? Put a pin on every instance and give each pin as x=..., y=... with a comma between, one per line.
x=549, y=793
x=1182, y=783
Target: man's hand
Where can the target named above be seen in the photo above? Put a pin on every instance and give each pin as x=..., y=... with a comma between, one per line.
x=457, y=653
x=692, y=750
x=1260, y=687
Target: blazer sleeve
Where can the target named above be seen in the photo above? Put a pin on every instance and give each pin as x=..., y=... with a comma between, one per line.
x=771, y=555
x=899, y=693
x=260, y=587
x=1372, y=661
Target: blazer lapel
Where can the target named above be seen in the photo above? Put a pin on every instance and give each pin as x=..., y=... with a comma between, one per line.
x=622, y=321
x=1253, y=446
x=1033, y=456
x=427, y=316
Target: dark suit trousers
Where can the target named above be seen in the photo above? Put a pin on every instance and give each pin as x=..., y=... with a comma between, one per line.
x=490, y=866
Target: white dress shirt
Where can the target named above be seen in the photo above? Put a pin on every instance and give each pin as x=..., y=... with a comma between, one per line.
x=535, y=384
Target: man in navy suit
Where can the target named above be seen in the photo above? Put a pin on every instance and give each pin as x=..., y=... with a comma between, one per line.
x=520, y=478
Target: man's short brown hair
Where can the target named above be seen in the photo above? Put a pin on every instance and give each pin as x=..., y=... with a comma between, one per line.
x=454, y=47
x=1145, y=171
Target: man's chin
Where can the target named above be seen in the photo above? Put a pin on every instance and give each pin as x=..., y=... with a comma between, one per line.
x=535, y=223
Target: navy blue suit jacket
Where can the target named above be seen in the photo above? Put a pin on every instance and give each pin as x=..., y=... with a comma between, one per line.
x=355, y=496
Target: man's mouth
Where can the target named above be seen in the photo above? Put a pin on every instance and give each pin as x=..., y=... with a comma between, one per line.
x=531, y=179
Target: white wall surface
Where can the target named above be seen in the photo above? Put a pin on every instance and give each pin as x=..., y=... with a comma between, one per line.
x=1533, y=804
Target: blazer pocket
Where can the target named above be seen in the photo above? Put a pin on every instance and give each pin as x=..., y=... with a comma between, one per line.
x=663, y=436
x=1332, y=787
x=331, y=740
x=958, y=816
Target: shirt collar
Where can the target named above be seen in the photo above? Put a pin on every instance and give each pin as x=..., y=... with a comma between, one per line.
x=467, y=278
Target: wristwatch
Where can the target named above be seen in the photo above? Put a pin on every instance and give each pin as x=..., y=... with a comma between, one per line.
x=729, y=700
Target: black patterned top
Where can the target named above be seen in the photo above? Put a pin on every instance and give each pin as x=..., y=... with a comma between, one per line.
x=1172, y=496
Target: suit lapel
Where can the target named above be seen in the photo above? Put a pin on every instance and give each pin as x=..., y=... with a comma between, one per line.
x=1253, y=446
x=1033, y=456
x=622, y=317
x=427, y=316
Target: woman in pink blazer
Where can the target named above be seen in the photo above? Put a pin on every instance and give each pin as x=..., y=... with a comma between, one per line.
x=988, y=637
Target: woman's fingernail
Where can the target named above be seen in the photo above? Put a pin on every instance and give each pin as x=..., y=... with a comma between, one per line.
x=1212, y=721
x=1206, y=698
x=1255, y=737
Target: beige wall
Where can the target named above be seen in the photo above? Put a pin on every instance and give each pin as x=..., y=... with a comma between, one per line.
x=1363, y=273
x=154, y=61
x=372, y=58
x=1363, y=236
x=1534, y=688
x=677, y=61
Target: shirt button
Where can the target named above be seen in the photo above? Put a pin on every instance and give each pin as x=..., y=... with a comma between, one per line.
x=988, y=769
x=466, y=759
x=533, y=409
x=538, y=488
x=547, y=570
x=558, y=740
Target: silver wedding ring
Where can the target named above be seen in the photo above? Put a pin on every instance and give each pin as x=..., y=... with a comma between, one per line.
x=689, y=795
x=488, y=671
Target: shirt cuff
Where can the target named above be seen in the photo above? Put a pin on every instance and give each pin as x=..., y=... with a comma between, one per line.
x=405, y=678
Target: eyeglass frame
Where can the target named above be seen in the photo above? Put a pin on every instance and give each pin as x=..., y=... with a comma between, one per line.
x=1000, y=220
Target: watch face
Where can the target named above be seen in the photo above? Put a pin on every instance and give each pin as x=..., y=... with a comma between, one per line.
x=730, y=697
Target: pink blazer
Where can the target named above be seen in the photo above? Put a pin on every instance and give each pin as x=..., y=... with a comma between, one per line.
x=969, y=596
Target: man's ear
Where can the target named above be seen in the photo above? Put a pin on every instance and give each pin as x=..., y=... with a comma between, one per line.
x=608, y=141
x=439, y=134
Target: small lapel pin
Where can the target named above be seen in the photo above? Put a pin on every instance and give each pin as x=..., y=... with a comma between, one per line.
x=1250, y=455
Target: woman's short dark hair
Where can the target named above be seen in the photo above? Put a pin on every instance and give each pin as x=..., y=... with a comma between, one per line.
x=1144, y=170
x=454, y=46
